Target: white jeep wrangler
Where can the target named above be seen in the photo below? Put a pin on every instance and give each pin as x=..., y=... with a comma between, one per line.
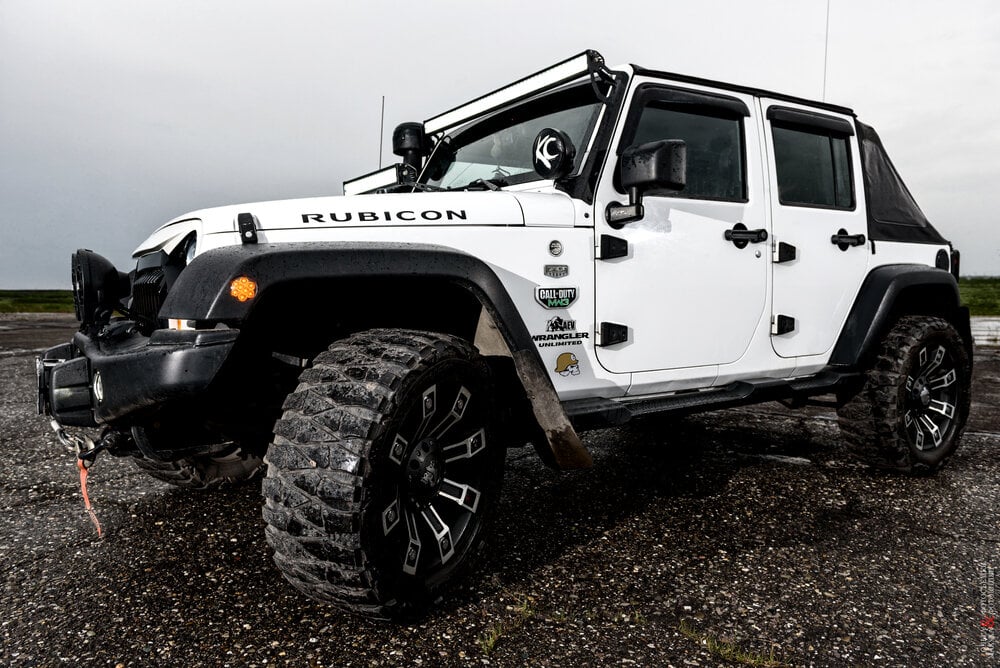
x=582, y=247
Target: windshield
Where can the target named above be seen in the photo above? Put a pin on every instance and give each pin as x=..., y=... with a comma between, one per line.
x=499, y=147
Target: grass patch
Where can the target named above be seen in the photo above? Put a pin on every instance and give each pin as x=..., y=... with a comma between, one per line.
x=728, y=651
x=981, y=294
x=523, y=611
x=36, y=301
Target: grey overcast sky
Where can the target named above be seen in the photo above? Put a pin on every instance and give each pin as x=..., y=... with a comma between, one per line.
x=116, y=116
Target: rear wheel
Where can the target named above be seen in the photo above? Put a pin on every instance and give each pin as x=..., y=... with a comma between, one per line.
x=910, y=413
x=384, y=471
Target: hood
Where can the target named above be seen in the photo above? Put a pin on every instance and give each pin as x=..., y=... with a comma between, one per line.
x=395, y=210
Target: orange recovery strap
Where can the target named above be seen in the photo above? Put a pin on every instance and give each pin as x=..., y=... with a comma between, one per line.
x=86, y=499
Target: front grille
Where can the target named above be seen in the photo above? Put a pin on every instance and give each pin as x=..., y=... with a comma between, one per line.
x=148, y=292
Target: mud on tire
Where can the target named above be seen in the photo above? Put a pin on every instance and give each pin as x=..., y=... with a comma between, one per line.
x=384, y=471
x=911, y=411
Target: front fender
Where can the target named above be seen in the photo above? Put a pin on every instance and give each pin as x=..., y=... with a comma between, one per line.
x=201, y=293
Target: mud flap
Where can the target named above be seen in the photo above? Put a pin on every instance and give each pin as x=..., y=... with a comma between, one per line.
x=568, y=451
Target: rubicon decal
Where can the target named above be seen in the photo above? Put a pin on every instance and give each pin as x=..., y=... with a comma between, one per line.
x=555, y=297
x=430, y=215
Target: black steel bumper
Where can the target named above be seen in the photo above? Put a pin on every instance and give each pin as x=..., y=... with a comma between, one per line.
x=93, y=381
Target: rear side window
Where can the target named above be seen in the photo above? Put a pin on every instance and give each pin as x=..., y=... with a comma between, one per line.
x=714, y=148
x=813, y=167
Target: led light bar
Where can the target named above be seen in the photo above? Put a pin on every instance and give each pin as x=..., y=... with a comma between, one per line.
x=560, y=73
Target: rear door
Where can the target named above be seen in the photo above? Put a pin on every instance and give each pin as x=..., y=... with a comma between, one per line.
x=818, y=223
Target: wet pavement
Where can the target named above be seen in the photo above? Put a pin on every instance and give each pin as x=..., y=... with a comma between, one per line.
x=745, y=528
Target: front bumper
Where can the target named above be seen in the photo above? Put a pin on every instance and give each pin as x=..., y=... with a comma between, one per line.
x=99, y=380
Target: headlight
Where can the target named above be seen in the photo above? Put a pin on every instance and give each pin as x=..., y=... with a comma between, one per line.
x=190, y=249
x=97, y=288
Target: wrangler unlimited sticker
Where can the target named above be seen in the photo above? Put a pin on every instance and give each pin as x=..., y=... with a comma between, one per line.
x=383, y=216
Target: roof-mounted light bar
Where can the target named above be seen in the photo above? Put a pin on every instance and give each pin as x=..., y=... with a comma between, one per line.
x=588, y=62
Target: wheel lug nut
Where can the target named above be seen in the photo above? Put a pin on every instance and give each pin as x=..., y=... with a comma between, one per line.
x=445, y=543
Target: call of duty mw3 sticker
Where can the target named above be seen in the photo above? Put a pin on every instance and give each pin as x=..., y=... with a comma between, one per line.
x=563, y=333
x=555, y=297
x=567, y=364
x=556, y=270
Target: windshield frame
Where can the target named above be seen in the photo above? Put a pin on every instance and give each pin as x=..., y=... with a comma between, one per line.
x=579, y=93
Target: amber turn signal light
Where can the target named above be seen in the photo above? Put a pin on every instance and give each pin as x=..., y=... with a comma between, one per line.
x=243, y=289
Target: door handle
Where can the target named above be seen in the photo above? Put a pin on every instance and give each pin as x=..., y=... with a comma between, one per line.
x=741, y=236
x=843, y=240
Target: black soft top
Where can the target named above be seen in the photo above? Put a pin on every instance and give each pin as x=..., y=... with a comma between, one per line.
x=893, y=214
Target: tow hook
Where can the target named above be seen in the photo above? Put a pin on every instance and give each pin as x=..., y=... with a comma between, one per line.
x=83, y=446
x=86, y=454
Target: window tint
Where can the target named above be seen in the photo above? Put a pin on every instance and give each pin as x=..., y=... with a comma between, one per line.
x=813, y=167
x=714, y=149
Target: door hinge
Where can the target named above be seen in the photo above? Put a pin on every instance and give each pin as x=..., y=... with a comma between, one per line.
x=248, y=228
x=782, y=324
x=783, y=252
x=612, y=333
x=612, y=247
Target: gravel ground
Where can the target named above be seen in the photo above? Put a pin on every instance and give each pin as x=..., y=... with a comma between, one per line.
x=746, y=527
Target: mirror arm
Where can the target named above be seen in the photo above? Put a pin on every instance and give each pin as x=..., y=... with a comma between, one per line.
x=618, y=215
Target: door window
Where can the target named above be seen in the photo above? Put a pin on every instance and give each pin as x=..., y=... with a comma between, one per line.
x=714, y=141
x=813, y=167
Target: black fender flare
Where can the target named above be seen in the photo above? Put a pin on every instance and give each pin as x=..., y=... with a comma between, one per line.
x=202, y=293
x=892, y=291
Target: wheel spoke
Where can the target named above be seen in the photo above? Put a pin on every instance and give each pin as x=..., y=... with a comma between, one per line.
x=412, y=557
x=942, y=381
x=931, y=428
x=942, y=407
x=466, y=449
x=442, y=534
x=462, y=494
x=925, y=367
x=454, y=415
x=390, y=517
x=908, y=419
x=428, y=406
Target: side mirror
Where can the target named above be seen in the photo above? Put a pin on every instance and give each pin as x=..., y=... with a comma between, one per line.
x=658, y=164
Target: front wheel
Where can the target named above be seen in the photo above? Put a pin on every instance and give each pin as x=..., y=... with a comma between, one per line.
x=384, y=471
x=911, y=411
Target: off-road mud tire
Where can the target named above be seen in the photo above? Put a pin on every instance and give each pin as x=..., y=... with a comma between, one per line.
x=873, y=421
x=330, y=477
x=205, y=472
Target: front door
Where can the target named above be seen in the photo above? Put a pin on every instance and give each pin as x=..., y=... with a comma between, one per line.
x=687, y=296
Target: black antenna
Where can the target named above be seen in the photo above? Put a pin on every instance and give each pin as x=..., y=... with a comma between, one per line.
x=381, y=133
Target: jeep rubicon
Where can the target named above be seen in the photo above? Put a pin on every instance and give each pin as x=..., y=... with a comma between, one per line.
x=582, y=247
